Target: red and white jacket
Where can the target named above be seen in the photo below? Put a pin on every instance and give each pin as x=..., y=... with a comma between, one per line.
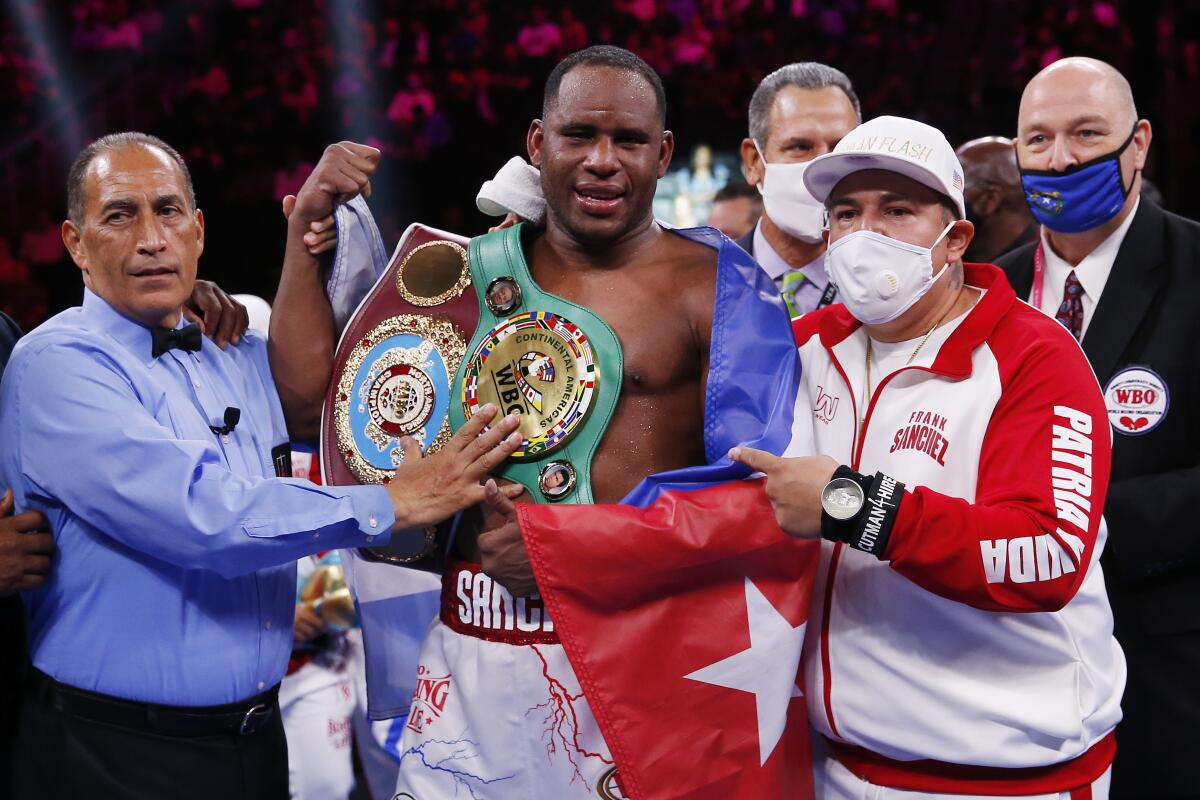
x=978, y=655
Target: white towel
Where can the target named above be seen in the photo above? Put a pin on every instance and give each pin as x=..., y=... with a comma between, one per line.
x=517, y=187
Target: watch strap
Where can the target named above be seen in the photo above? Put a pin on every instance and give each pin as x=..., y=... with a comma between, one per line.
x=841, y=530
x=870, y=529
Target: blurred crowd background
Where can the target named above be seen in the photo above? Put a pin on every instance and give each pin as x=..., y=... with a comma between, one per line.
x=250, y=91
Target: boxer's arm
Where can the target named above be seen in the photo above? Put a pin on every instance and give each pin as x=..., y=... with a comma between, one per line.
x=302, y=337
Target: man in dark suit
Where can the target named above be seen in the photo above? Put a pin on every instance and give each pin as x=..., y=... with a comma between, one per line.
x=1122, y=275
x=797, y=113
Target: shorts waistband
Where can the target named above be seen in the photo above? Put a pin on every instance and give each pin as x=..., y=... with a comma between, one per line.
x=942, y=777
x=475, y=605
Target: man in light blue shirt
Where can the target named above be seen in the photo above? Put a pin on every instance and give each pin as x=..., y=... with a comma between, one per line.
x=162, y=631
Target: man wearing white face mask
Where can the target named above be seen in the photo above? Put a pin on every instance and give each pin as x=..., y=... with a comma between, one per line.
x=797, y=113
x=965, y=641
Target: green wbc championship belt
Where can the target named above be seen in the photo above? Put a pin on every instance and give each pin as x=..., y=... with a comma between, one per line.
x=555, y=363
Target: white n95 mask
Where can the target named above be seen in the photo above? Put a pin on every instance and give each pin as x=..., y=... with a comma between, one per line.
x=879, y=278
x=788, y=203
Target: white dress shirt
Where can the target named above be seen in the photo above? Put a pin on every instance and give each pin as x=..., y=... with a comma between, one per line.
x=1092, y=271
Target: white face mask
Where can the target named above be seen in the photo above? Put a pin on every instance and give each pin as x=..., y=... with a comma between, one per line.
x=879, y=278
x=789, y=205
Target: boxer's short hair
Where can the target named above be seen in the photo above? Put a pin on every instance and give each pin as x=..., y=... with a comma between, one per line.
x=605, y=55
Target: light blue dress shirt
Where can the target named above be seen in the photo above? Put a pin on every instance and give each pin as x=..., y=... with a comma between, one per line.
x=174, y=580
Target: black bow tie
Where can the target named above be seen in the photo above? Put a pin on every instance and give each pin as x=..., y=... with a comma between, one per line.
x=185, y=338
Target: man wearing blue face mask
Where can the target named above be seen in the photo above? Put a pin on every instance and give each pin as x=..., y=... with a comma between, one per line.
x=965, y=642
x=1121, y=275
x=797, y=113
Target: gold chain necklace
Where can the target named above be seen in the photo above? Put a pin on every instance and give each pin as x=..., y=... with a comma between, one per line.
x=862, y=423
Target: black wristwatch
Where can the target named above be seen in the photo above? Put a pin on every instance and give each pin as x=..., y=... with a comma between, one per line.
x=860, y=510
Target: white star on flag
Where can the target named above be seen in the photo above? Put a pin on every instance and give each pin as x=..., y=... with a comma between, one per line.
x=766, y=669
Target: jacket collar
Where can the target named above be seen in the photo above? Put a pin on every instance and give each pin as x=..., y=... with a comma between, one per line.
x=1136, y=278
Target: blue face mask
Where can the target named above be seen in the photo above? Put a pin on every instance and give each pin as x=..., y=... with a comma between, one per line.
x=1081, y=197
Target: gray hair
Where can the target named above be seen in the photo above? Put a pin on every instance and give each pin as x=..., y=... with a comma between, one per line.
x=803, y=75
x=116, y=141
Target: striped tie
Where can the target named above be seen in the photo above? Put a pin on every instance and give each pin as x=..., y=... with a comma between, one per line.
x=792, y=279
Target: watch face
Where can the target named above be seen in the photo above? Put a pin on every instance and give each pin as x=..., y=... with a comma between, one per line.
x=842, y=498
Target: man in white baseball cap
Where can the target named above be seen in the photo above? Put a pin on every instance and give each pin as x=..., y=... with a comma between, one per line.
x=961, y=642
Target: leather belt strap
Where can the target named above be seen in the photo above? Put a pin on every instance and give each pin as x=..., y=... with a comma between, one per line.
x=242, y=718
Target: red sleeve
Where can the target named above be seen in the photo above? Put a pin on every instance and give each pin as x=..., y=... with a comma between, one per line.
x=1026, y=541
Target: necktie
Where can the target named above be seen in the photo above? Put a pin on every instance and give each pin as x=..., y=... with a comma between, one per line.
x=164, y=339
x=1070, y=311
x=791, y=282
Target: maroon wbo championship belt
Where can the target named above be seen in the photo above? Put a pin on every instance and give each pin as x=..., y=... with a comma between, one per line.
x=394, y=370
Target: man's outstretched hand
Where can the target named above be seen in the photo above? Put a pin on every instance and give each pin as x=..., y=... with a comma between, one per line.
x=793, y=486
x=428, y=489
x=504, y=556
x=308, y=625
x=25, y=548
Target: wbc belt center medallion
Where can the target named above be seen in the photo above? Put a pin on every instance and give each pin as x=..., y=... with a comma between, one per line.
x=396, y=383
x=538, y=365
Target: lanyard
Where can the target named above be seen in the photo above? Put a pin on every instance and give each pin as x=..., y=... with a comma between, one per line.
x=1039, y=274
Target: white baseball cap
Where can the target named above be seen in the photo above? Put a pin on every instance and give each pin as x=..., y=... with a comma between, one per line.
x=895, y=144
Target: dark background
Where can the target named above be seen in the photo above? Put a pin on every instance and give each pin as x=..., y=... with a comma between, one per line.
x=250, y=91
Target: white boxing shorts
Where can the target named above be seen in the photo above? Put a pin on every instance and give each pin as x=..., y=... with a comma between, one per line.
x=498, y=712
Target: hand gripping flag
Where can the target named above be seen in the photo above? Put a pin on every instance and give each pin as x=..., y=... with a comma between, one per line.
x=683, y=609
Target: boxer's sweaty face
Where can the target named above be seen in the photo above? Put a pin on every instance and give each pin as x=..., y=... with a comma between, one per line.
x=140, y=240
x=601, y=150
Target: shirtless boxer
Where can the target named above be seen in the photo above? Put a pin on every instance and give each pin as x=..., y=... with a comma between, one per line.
x=515, y=722
x=498, y=711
